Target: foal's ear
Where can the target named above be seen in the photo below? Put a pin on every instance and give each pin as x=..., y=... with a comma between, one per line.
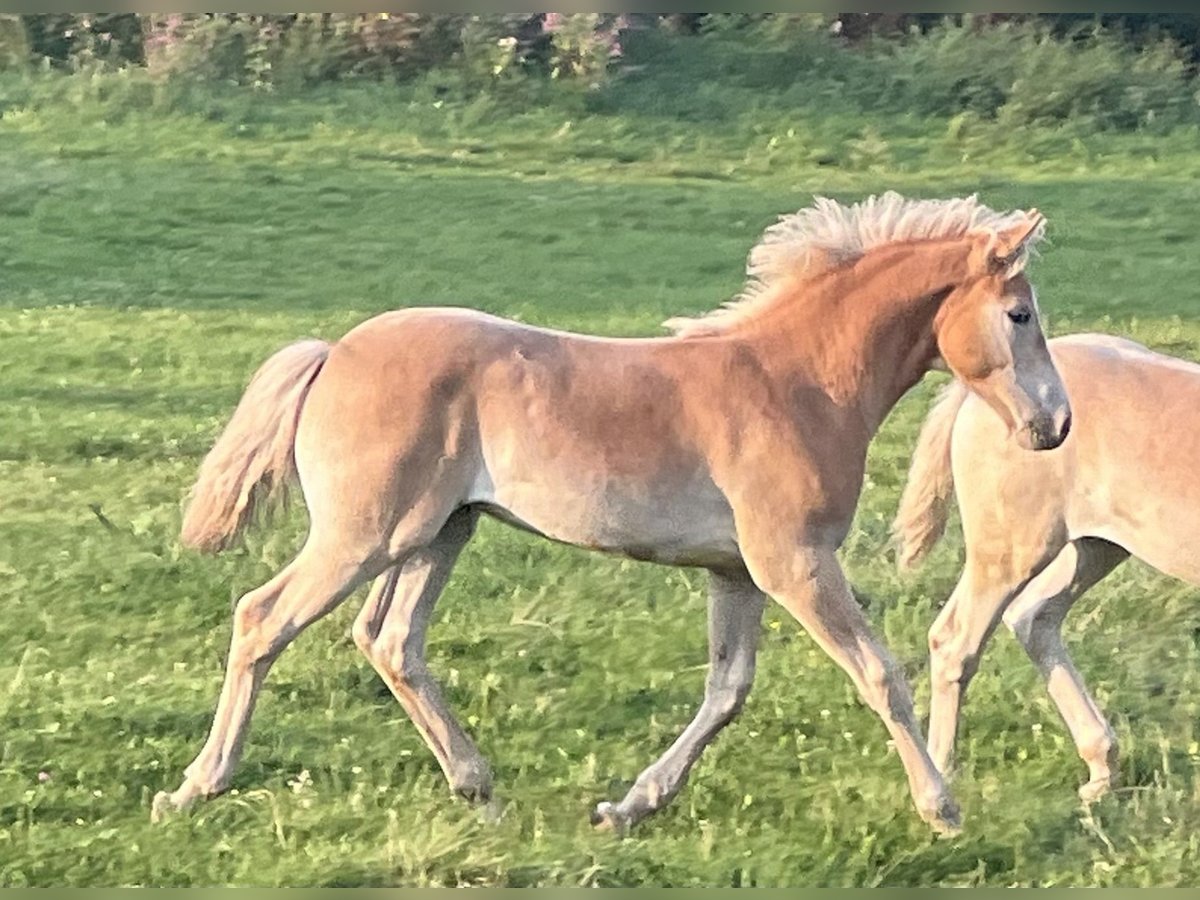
x=1011, y=240
x=998, y=251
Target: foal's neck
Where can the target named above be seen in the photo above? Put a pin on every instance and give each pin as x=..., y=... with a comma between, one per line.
x=865, y=331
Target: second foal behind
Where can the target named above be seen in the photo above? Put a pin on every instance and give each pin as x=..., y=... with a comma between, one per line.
x=1043, y=529
x=737, y=445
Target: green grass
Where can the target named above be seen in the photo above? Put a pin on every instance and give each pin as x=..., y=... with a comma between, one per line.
x=148, y=265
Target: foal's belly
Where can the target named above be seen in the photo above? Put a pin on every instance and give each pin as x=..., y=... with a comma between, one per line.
x=685, y=523
x=1156, y=528
x=1134, y=478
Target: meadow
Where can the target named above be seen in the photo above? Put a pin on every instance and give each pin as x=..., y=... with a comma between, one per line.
x=149, y=262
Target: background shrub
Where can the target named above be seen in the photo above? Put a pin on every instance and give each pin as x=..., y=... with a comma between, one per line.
x=1023, y=73
x=1135, y=72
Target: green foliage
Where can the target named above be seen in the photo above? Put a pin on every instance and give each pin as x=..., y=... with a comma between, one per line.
x=1022, y=75
x=583, y=44
x=727, y=75
x=14, y=44
x=271, y=52
x=1013, y=69
x=1013, y=74
x=290, y=51
x=69, y=40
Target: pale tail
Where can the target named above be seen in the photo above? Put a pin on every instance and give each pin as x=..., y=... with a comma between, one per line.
x=253, y=458
x=925, y=503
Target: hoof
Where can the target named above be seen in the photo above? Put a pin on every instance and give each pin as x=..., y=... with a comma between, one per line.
x=1095, y=789
x=944, y=817
x=476, y=795
x=607, y=817
x=492, y=812
x=165, y=806
x=474, y=786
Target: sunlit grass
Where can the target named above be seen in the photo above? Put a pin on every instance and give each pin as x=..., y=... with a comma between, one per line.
x=146, y=268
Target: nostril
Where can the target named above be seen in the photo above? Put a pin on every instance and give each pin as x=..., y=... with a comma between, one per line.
x=1048, y=431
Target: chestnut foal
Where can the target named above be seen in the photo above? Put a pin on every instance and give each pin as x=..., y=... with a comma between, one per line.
x=738, y=445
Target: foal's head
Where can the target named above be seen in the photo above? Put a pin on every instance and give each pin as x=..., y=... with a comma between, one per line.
x=989, y=336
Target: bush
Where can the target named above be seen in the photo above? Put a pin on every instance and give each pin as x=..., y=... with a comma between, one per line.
x=290, y=51
x=67, y=39
x=15, y=52
x=1021, y=74
x=1008, y=69
x=274, y=51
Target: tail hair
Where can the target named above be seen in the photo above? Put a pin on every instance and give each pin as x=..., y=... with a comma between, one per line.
x=925, y=503
x=253, y=460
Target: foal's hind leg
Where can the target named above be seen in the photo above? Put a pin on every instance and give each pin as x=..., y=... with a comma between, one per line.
x=1036, y=618
x=265, y=621
x=735, y=608
x=391, y=630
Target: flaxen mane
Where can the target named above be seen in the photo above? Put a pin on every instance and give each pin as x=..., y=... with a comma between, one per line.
x=829, y=234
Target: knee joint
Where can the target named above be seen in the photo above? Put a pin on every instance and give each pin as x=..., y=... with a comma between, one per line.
x=729, y=693
x=731, y=698
x=363, y=638
x=406, y=667
x=1100, y=748
x=949, y=664
x=251, y=638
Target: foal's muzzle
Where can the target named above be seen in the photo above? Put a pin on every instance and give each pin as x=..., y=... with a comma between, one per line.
x=1047, y=431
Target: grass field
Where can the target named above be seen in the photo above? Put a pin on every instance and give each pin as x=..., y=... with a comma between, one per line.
x=148, y=266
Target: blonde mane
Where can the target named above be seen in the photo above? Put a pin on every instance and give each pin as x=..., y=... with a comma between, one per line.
x=829, y=234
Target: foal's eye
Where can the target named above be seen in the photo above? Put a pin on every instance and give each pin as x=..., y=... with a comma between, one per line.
x=1020, y=315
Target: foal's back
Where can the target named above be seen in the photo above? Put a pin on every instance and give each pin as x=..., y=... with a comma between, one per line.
x=611, y=444
x=1125, y=474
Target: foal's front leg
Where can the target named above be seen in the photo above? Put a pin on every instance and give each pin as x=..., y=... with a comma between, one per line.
x=735, y=608
x=809, y=583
